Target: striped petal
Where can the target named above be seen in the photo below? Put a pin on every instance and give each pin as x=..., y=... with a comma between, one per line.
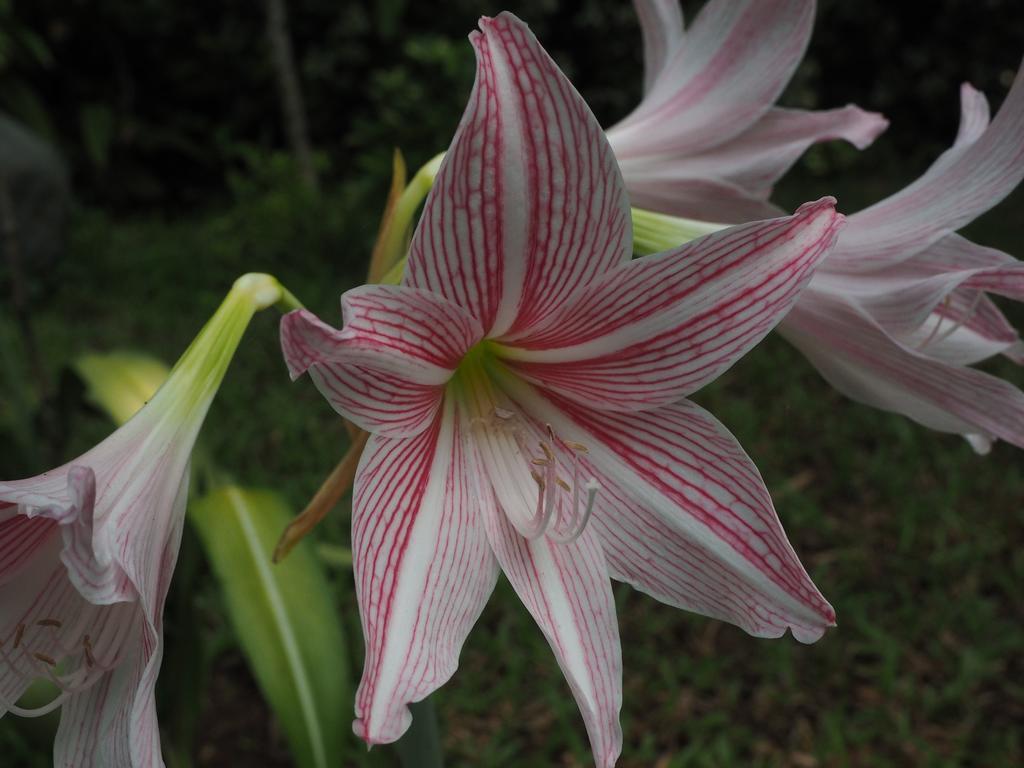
x=731, y=66
x=733, y=181
x=858, y=358
x=386, y=369
x=113, y=724
x=662, y=326
x=423, y=568
x=661, y=25
x=683, y=515
x=982, y=167
x=529, y=202
x=566, y=589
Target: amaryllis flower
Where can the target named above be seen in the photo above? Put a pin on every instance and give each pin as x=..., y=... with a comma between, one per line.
x=706, y=141
x=86, y=556
x=525, y=389
x=901, y=307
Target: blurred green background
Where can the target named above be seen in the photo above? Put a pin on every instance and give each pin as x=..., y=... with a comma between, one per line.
x=168, y=118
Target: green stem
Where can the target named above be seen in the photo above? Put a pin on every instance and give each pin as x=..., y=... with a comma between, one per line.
x=288, y=302
x=420, y=747
x=657, y=232
x=395, y=239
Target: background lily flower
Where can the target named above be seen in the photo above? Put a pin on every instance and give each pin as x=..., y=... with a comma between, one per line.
x=901, y=308
x=524, y=389
x=706, y=141
x=86, y=556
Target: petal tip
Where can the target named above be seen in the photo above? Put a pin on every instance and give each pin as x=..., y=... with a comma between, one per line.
x=297, y=346
x=869, y=127
x=377, y=732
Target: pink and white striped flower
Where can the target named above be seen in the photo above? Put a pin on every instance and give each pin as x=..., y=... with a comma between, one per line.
x=706, y=141
x=901, y=308
x=525, y=389
x=86, y=556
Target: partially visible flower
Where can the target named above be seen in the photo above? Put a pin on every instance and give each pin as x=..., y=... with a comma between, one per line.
x=524, y=389
x=706, y=141
x=900, y=309
x=86, y=556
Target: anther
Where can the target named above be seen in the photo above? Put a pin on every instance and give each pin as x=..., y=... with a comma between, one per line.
x=577, y=446
x=562, y=484
x=45, y=659
x=540, y=462
x=55, y=623
x=18, y=634
x=537, y=476
x=90, y=661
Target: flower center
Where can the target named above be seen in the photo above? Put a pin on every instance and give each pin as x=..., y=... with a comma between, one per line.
x=538, y=476
x=38, y=649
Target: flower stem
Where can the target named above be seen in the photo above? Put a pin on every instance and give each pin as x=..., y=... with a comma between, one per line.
x=420, y=747
x=394, y=236
x=657, y=232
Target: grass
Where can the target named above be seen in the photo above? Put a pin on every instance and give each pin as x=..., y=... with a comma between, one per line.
x=914, y=539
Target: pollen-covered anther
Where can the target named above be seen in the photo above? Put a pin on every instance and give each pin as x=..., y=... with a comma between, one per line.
x=561, y=519
x=90, y=660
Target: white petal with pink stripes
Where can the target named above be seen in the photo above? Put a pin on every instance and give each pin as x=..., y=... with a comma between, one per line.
x=706, y=142
x=519, y=271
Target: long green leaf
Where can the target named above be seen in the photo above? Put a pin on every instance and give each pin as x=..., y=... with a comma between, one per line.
x=284, y=617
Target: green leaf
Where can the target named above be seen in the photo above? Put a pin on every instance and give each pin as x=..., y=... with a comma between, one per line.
x=120, y=383
x=284, y=617
x=97, y=123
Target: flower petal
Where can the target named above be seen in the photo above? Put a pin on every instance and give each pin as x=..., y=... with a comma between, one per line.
x=935, y=300
x=756, y=158
x=423, y=568
x=385, y=370
x=859, y=359
x=732, y=182
x=20, y=539
x=967, y=180
x=661, y=25
x=683, y=515
x=529, y=202
x=566, y=589
x=113, y=724
x=665, y=185
x=662, y=326
x=733, y=63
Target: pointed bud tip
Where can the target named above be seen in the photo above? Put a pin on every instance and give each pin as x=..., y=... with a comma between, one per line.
x=263, y=289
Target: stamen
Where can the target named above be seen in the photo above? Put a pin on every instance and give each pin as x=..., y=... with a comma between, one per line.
x=45, y=709
x=540, y=462
x=964, y=319
x=577, y=446
x=592, y=487
x=931, y=336
x=545, y=502
x=562, y=484
x=90, y=661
